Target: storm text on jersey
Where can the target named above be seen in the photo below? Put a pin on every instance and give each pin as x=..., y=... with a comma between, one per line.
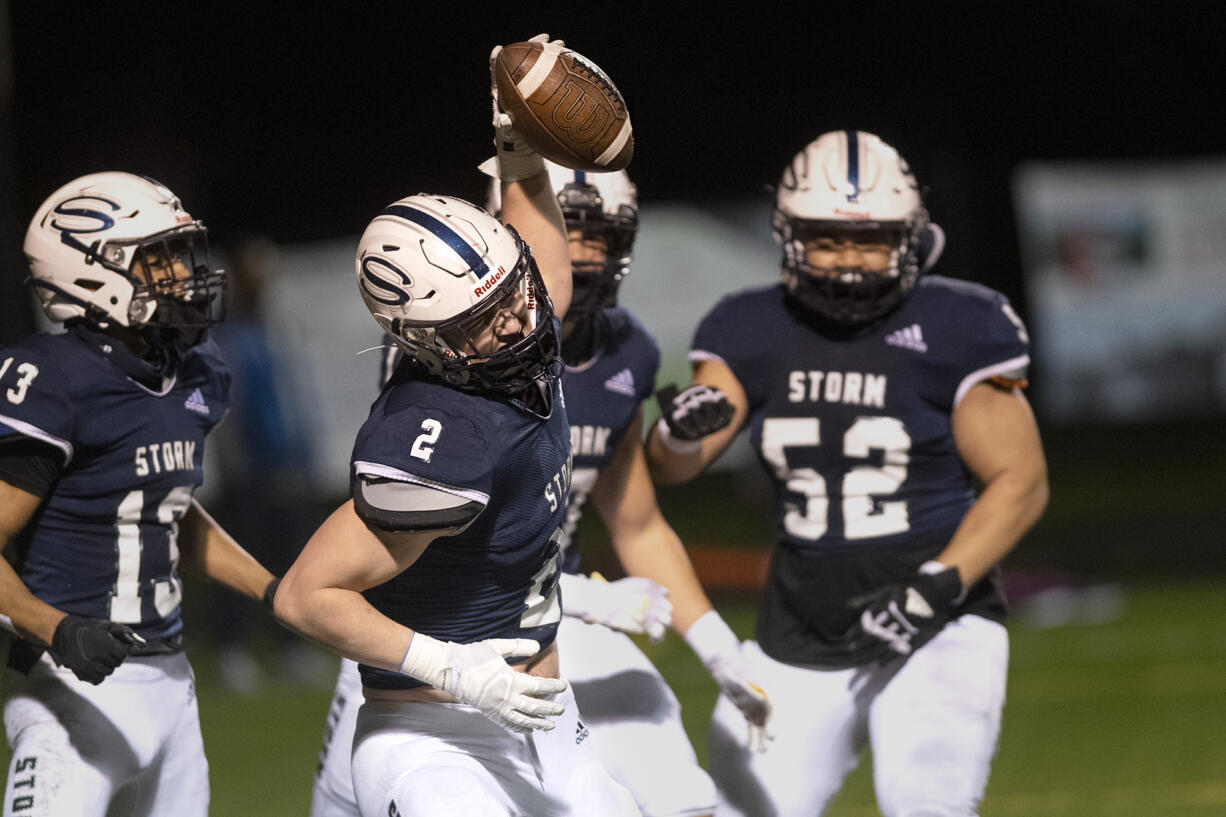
x=172, y=455
x=558, y=487
x=849, y=388
x=589, y=441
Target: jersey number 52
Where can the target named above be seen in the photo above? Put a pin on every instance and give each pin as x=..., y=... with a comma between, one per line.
x=863, y=518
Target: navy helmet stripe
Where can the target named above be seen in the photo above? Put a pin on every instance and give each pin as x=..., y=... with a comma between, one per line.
x=580, y=177
x=853, y=164
x=449, y=236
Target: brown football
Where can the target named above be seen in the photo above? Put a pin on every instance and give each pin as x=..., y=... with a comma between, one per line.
x=567, y=109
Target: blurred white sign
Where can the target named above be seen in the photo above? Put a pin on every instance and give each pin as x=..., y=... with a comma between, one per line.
x=1124, y=268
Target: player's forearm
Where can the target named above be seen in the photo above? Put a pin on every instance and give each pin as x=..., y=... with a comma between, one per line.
x=1006, y=509
x=341, y=621
x=531, y=207
x=655, y=552
x=669, y=467
x=29, y=615
x=207, y=550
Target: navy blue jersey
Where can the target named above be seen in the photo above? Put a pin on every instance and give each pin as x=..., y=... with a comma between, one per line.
x=103, y=542
x=603, y=397
x=856, y=435
x=497, y=578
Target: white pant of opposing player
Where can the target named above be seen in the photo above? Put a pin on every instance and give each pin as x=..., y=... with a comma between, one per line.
x=636, y=720
x=134, y=746
x=431, y=759
x=932, y=721
x=333, y=793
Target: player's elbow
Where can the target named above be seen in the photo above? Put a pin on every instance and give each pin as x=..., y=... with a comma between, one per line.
x=1040, y=493
x=1031, y=491
x=291, y=605
x=668, y=468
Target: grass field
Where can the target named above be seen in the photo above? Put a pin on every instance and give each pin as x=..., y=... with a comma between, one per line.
x=1121, y=718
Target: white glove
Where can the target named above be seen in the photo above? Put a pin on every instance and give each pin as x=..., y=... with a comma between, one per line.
x=477, y=674
x=514, y=158
x=720, y=652
x=632, y=605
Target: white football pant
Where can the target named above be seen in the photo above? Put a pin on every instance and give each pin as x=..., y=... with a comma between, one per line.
x=636, y=720
x=333, y=792
x=624, y=700
x=932, y=720
x=431, y=759
x=131, y=744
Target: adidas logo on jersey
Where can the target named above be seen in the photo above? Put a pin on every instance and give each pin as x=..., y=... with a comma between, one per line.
x=581, y=732
x=912, y=337
x=196, y=403
x=622, y=383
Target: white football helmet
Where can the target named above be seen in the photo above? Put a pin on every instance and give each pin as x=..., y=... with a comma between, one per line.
x=85, y=239
x=604, y=206
x=443, y=277
x=848, y=181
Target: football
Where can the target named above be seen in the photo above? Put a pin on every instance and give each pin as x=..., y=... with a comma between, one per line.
x=566, y=108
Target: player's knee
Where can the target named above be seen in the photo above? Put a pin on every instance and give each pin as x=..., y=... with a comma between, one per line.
x=455, y=791
x=47, y=776
x=687, y=793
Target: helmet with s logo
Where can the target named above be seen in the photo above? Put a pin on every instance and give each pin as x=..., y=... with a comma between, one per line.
x=459, y=292
x=119, y=249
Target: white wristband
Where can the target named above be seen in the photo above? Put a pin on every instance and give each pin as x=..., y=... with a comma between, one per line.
x=710, y=636
x=424, y=660
x=672, y=443
x=518, y=163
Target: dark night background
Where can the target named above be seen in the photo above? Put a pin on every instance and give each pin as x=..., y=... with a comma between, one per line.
x=300, y=120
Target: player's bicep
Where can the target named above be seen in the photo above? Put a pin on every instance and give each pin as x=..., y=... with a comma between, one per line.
x=348, y=554
x=995, y=431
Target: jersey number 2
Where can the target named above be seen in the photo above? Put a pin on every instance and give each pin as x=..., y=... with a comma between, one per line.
x=423, y=446
x=863, y=517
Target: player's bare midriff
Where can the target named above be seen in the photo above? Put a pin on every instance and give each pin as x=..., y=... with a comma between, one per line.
x=544, y=664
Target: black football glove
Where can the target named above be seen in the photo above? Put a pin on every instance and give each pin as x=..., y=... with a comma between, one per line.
x=900, y=618
x=694, y=413
x=91, y=647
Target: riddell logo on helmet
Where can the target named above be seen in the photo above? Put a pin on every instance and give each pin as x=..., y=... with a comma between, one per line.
x=852, y=213
x=486, y=286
